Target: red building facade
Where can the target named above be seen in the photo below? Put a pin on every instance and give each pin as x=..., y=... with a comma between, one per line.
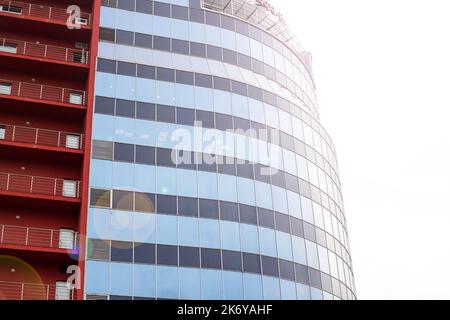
x=47, y=69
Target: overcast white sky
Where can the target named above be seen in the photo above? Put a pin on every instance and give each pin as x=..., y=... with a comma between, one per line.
x=382, y=70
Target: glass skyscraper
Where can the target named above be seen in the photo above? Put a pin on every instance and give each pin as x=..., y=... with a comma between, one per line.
x=211, y=176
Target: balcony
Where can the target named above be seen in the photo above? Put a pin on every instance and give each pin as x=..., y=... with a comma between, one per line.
x=38, y=11
x=38, y=237
x=42, y=92
x=35, y=291
x=40, y=186
x=41, y=137
x=35, y=50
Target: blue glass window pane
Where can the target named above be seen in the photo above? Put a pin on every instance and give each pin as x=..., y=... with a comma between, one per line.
x=144, y=178
x=307, y=210
x=207, y=185
x=253, y=287
x=99, y=224
x=316, y=294
x=209, y=234
x=144, y=227
x=144, y=281
x=212, y=35
x=185, y=96
x=124, y=130
x=187, y=183
x=188, y=232
x=125, y=88
x=299, y=250
x=240, y=106
x=232, y=286
x=97, y=277
x=230, y=237
x=123, y=176
x=279, y=199
x=267, y=242
x=145, y=132
x=166, y=181
x=180, y=29
x=165, y=93
x=271, y=288
x=284, y=245
x=101, y=174
x=144, y=23
x=121, y=279
x=227, y=188
x=263, y=195
x=246, y=191
x=167, y=282
x=105, y=84
x=294, y=205
x=145, y=90
x=126, y=19
x=222, y=102
x=311, y=252
x=103, y=127
x=288, y=290
x=204, y=99
x=303, y=292
x=249, y=238
x=189, y=284
x=166, y=229
x=211, y=284
x=256, y=110
x=228, y=39
x=122, y=225
x=161, y=26
x=108, y=17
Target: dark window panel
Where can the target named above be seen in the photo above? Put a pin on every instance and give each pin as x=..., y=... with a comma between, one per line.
x=222, y=84
x=121, y=251
x=143, y=40
x=251, y=263
x=242, y=124
x=102, y=150
x=100, y=198
x=336, y=287
x=188, y=207
x=242, y=27
x=245, y=170
x=227, y=23
x=305, y=188
x=144, y=6
x=144, y=253
x=203, y=80
x=186, y=160
x=267, y=39
x=257, y=66
x=255, y=93
x=314, y=278
x=212, y=18
x=297, y=227
x=189, y=257
x=125, y=108
x=107, y=34
x=266, y=218
x=282, y=222
x=269, y=266
x=206, y=162
x=227, y=166
x=164, y=157
x=254, y=33
x=165, y=113
x=244, y=61
x=180, y=13
x=206, y=118
x=124, y=37
x=161, y=43
x=321, y=237
x=209, y=208
x=126, y=5
x=161, y=9
x=214, y=52
x=123, y=152
x=145, y=155
x=326, y=282
x=165, y=74
x=239, y=88
x=123, y=200
x=166, y=255
x=287, y=270
x=145, y=111
x=270, y=72
x=196, y=15
x=98, y=249
x=269, y=98
x=146, y=72
x=126, y=69
x=104, y=105
x=261, y=173
x=180, y=46
x=211, y=258
x=119, y=298
x=185, y=116
x=231, y=260
x=301, y=274
x=278, y=179
x=106, y=65
x=229, y=56
x=166, y=204
x=224, y=122
x=248, y=214
x=229, y=211
x=310, y=232
x=198, y=49
x=185, y=77
x=292, y=183
x=144, y=202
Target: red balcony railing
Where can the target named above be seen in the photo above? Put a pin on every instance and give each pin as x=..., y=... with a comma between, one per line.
x=40, y=185
x=44, y=51
x=35, y=291
x=40, y=11
x=42, y=92
x=38, y=237
x=42, y=137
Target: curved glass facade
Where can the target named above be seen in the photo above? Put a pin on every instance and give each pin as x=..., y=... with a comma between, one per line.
x=211, y=176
